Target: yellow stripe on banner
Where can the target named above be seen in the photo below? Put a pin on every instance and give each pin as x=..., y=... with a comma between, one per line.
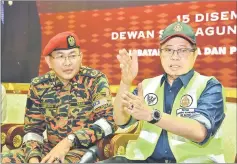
x=16, y=86
x=230, y=92
x=114, y=88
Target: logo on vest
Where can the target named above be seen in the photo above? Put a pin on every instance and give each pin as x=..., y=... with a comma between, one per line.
x=186, y=101
x=151, y=99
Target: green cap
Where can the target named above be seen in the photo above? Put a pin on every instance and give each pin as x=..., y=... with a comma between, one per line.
x=178, y=29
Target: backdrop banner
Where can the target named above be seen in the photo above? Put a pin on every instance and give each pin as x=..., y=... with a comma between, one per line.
x=103, y=32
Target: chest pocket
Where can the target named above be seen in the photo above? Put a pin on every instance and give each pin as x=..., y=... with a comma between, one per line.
x=80, y=109
x=50, y=111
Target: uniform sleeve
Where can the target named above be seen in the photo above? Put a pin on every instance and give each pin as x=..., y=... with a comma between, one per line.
x=210, y=108
x=103, y=108
x=34, y=126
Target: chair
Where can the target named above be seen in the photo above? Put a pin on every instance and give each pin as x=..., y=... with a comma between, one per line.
x=12, y=137
x=12, y=128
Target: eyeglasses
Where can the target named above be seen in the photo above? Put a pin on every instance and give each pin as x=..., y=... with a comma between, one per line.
x=62, y=58
x=182, y=52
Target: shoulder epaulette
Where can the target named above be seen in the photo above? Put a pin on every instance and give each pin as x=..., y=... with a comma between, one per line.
x=89, y=72
x=41, y=79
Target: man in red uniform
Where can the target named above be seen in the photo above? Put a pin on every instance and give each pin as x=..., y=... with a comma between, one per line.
x=72, y=102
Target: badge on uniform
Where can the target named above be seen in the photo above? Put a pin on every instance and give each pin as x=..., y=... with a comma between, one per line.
x=151, y=99
x=186, y=101
x=94, y=72
x=71, y=41
x=187, y=106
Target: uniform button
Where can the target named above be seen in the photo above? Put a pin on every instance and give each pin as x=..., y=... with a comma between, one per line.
x=170, y=90
x=166, y=151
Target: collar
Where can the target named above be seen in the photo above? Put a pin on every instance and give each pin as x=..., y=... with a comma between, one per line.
x=185, y=78
x=55, y=80
x=58, y=83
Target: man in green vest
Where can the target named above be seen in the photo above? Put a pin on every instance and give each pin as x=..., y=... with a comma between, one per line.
x=180, y=112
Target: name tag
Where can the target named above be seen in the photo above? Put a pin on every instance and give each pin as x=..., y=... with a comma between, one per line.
x=185, y=112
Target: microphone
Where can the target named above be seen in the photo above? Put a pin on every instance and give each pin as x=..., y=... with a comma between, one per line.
x=90, y=155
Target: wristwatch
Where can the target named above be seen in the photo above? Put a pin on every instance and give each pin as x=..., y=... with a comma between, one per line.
x=156, y=116
x=72, y=138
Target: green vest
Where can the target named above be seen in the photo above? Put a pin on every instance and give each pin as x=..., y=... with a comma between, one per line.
x=185, y=103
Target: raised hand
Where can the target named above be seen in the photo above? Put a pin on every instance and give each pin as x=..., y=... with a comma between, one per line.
x=128, y=65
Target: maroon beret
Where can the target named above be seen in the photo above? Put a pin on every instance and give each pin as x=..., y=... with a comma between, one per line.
x=62, y=41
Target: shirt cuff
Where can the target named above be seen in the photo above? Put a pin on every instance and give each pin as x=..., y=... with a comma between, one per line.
x=129, y=123
x=206, y=122
x=34, y=154
x=84, y=138
x=33, y=149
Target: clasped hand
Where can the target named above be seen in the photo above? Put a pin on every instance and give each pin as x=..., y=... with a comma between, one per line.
x=136, y=106
x=58, y=153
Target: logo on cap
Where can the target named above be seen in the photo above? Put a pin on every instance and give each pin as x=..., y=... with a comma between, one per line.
x=71, y=41
x=178, y=28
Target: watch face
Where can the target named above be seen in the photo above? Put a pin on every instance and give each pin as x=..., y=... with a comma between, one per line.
x=156, y=115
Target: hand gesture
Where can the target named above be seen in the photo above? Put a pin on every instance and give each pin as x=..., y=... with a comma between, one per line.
x=128, y=65
x=58, y=153
x=136, y=106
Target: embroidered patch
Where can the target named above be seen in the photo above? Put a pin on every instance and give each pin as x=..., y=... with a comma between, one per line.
x=151, y=99
x=186, y=101
x=178, y=28
x=99, y=103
